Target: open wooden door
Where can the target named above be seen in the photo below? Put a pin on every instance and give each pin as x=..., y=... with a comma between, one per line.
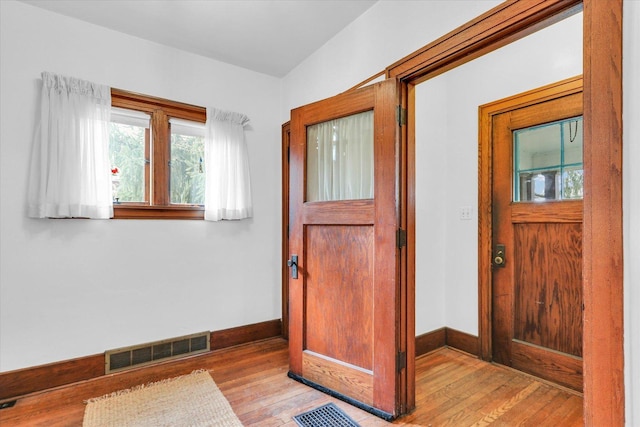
x=345, y=293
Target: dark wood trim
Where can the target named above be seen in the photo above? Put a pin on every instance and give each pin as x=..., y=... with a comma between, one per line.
x=134, y=211
x=535, y=360
x=43, y=377
x=286, y=138
x=407, y=290
x=430, y=341
x=136, y=101
x=447, y=337
x=38, y=378
x=495, y=28
x=463, y=341
x=603, y=346
x=161, y=149
x=381, y=74
x=246, y=334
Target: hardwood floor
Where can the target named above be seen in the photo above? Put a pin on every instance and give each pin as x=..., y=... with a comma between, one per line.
x=453, y=389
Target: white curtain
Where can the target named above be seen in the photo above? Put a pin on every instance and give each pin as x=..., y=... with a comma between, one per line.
x=228, y=183
x=340, y=159
x=70, y=169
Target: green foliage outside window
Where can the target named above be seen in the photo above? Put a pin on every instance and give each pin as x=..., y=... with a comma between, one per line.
x=126, y=151
x=127, y=155
x=187, y=169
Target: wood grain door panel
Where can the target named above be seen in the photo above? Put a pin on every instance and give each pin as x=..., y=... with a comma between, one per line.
x=548, y=286
x=339, y=292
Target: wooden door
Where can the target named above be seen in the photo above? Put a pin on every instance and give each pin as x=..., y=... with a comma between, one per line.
x=537, y=238
x=345, y=311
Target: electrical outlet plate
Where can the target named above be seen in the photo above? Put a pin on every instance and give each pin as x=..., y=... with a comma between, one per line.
x=466, y=212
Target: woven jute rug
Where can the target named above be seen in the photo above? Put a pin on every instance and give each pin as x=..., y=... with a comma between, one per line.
x=188, y=400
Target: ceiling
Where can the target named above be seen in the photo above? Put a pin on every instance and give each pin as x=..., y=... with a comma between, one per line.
x=267, y=36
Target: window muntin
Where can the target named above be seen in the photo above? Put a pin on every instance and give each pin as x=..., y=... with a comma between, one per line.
x=548, y=162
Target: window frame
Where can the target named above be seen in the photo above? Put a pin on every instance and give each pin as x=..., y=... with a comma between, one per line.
x=161, y=110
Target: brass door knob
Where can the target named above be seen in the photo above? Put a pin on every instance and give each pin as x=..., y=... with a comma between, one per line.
x=498, y=260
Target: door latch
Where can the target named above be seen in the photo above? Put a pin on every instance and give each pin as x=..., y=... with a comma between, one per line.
x=499, y=257
x=293, y=263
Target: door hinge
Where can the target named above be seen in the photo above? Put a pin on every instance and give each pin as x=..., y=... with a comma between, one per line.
x=401, y=361
x=401, y=238
x=401, y=115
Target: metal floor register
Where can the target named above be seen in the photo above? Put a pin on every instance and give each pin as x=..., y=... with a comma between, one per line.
x=328, y=415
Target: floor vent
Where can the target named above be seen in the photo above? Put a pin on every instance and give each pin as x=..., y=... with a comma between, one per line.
x=328, y=415
x=146, y=354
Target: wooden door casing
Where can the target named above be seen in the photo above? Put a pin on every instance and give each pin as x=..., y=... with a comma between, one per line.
x=345, y=307
x=603, y=347
x=537, y=297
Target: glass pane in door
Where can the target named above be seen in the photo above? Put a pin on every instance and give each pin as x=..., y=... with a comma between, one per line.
x=340, y=159
x=548, y=161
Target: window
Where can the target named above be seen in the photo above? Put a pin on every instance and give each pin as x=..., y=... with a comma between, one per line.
x=156, y=149
x=340, y=159
x=548, y=162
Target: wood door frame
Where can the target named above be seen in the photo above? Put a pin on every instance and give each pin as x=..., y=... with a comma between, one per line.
x=286, y=138
x=603, y=345
x=487, y=112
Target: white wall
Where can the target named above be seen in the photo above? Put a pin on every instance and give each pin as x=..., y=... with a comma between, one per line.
x=631, y=215
x=447, y=152
x=72, y=288
x=384, y=34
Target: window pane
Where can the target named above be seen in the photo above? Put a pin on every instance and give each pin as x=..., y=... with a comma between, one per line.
x=340, y=159
x=127, y=145
x=548, y=161
x=187, y=169
x=572, y=183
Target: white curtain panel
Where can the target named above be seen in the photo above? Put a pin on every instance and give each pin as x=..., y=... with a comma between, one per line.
x=70, y=169
x=340, y=159
x=228, y=181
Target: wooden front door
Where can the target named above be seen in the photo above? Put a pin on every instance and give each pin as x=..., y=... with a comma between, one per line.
x=344, y=287
x=537, y=234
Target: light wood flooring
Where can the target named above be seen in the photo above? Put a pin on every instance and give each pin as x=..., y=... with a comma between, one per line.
x=452, y=389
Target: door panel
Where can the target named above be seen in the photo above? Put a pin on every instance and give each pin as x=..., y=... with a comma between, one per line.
x=537, y=280
x=334, y=249
x=548, y=286
x=345, y=305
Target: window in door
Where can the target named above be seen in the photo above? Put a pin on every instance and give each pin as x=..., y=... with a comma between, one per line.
x=548, y=162
x=340, y=159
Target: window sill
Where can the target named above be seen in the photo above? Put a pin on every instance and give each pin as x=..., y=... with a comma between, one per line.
x=122, y=211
